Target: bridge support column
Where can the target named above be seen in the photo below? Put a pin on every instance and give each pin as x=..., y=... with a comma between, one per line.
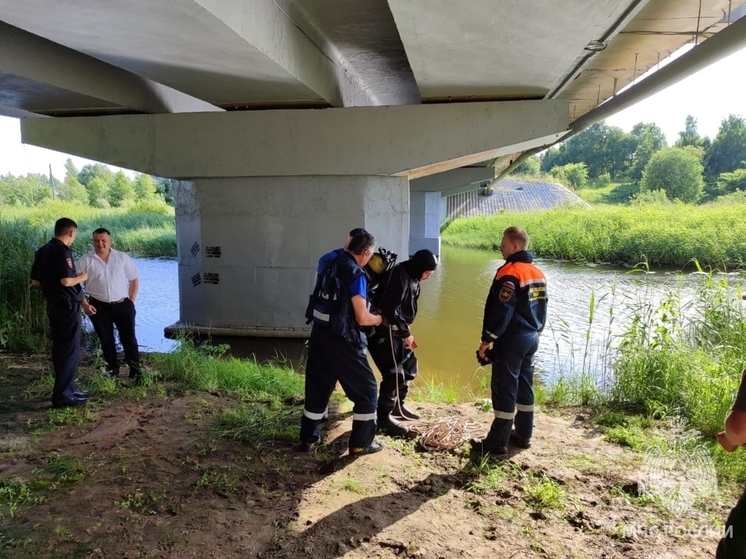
x=426, y=210
x=248, y=247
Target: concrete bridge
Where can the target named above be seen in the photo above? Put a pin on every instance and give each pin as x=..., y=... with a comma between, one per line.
x=289, y=122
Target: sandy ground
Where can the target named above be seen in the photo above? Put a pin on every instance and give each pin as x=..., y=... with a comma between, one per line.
x=153, y=482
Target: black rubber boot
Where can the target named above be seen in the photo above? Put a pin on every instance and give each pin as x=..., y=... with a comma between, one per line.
x=386, y=423
x=401, y=410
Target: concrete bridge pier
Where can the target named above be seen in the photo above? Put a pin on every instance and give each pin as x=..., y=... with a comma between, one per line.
x=249, y=246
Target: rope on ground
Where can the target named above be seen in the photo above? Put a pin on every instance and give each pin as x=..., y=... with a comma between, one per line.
x=446, y=433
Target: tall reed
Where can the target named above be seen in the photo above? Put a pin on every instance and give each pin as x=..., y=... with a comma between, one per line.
x=661, y=234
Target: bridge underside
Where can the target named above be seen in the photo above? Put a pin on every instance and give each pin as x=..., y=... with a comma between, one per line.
x=289, y=122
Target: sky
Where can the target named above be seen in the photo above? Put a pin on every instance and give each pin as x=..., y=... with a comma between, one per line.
x=709, y=95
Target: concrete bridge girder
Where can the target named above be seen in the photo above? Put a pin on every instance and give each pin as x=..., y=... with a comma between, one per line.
x=263, y=194
x=411, y=141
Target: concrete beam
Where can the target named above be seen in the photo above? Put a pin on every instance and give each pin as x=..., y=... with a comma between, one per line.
x=268, y=28
x=5, y=110
x=32, y=57
x=411, y=141
x=452, y=179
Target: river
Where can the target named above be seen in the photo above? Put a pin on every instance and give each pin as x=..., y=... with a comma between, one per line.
x=448, y=325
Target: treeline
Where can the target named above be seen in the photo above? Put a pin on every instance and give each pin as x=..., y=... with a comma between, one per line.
x=694, y=169
x=95, y=185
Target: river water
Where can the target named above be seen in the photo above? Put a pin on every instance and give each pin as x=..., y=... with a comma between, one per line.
x=448, y=324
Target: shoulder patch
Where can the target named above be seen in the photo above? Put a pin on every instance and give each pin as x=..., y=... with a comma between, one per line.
x=69, y=262
x=506, y=292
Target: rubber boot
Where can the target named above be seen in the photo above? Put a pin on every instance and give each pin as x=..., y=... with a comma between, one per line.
x=401, y=410
x=386, y=423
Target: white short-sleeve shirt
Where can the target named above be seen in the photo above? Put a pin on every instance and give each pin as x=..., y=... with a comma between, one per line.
x=108, y=281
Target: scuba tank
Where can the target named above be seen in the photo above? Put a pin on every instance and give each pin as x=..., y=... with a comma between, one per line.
x=381, y=262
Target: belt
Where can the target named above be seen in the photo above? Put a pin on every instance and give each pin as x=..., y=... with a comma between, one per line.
x=122, y=300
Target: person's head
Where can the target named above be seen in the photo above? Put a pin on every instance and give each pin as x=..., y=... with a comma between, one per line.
x=514, y=240
x=422, y=265
x=65, y=229
x=101, y=241
x=355, y=232
x=361, y=246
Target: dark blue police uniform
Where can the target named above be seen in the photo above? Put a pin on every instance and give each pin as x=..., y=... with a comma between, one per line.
x=52, y=262
x=336, y=352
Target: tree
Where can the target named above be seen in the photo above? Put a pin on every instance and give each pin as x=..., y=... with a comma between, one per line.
x=677, y=171
x=728, y=150
x=690, y=136
x=25, y=191
x=144, y=187
x=530, y=167
x=572, y=174
x=98, y=193
x=649, y=138
x=72, y=191
x=603, y=148
x=166, y=188
x=70, y=170
x=88, y=172
x=121, y=192
x=728, y=183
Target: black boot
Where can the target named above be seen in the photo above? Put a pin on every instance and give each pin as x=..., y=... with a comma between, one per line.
x=386, y=423
x=401, y=410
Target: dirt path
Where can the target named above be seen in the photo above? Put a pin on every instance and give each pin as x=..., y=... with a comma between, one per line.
x=151, y=481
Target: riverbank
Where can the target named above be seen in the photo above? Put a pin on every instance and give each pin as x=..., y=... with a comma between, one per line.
x=660, y=234
x=185, y=467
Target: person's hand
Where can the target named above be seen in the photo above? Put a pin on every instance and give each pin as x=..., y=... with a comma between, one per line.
x=482, y=356
x=725, y=443
x=89, y=309
x=409, y=341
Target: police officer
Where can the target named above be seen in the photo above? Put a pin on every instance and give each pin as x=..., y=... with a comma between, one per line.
x=338, y=308
x=54, y=271
x=331, y=255
x=392, y=345
x=514, y=316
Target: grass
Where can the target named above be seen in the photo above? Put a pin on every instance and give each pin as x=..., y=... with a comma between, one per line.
x=659, y=234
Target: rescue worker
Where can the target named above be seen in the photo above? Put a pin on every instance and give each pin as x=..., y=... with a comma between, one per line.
x=733, y=543
x=338, y=307
x=391, y=345
x=514, y=316
x=54, y=271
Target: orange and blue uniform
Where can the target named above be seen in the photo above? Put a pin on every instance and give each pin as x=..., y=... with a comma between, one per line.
x=514, y=316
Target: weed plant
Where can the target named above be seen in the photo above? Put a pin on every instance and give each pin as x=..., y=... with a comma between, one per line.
x=671, y=234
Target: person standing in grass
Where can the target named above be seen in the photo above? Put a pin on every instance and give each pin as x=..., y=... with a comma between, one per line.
x=514, y=316
x=112, y=287
x=54, y=271
x=733, y=543
x=338, y=307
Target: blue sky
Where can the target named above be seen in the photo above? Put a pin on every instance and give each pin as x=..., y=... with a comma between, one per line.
x=709, y=95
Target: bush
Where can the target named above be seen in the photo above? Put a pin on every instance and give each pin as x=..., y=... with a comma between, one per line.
x=677, y=171
x=574, y=175
x=649, y=197
x=531, y=167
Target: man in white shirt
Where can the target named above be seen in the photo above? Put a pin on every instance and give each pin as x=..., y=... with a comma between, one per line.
x=112, y=289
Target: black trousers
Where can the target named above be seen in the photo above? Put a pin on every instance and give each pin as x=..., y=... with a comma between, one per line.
x=733, y=543
x=331, y=358
x=121, y=315
x=64, y=325
x=397, y=364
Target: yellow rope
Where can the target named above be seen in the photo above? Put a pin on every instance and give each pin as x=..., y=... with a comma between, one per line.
x=446, y=433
